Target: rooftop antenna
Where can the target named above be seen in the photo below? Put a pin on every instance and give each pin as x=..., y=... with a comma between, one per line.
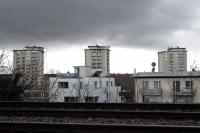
x=153, y=64
x=134, y=70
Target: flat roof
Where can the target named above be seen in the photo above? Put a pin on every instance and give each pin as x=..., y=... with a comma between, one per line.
x=177, y=49
x=167, y=74
x=31, y=48
x=81, y=66
x=94, y=47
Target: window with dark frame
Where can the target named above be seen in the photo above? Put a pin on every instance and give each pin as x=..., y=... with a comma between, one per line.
x=107, y=83
x=188, y=84
x=176, y=86
x=71, y=99
x=95, y=84
x=145, y=85
x=91, y=99
x=63, y=85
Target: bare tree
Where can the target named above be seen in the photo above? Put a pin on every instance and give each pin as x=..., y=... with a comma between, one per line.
x=185, y=94
x=31, y=77
x=53, y=90
x=78, y=90
x=5, y=66
x=9, y=84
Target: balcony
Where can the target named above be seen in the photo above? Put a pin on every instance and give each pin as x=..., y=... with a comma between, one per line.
x=125, y=93
x=151, y=92
x=184, y=92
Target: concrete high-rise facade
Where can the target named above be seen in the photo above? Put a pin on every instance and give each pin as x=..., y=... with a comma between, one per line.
x=29, y=63
x=172, y=60
x=30, y=59
x=98, y=57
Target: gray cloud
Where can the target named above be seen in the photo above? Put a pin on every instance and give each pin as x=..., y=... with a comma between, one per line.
x=125, y=23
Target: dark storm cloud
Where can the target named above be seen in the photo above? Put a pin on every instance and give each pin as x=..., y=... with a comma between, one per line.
x=131, y=23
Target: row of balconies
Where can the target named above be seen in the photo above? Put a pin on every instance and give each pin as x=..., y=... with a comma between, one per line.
x=158, y=92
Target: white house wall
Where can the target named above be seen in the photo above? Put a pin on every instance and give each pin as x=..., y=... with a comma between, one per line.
x=105, y=93
x=57, y=94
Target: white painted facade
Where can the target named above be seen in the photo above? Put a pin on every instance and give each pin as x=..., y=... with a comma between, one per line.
x=83, y=88
x=171, y=87
x=87, y=71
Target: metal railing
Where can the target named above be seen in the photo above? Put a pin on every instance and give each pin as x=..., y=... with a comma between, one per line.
x=151, y=92
x=183, y=91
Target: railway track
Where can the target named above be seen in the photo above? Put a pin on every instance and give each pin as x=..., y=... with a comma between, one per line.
x=98, y=117
x=100, y=113
x=10, y=127
x=103, y=106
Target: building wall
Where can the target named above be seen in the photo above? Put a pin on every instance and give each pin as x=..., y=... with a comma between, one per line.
x=30, y=59
x=127, y=83
x=166, y=87
x=83, y=71
x=98, y=57
x=174, y=60
x=29, y=62
x=103, y=88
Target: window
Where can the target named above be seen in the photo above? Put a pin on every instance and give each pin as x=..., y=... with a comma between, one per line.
x=100, y=84
x=157, y=86
x=81, y=84
x=111, y=83
x=107, y=83
x=63, y=85
x=95, y=84
x=188, y=84
x=71, y=99
x=176, y=86
x=145, y=99
x=145, y=85
x=91, y=99
x=94, y=60
x=99, y=60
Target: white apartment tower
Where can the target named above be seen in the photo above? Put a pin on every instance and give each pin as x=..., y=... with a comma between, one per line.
x=172, y=60
x=29, y=59
x=98, y=57
x=30, y=63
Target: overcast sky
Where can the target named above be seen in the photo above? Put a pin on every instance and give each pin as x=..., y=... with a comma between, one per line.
x=133, y=29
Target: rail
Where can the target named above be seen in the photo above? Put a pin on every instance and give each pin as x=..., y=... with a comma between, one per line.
x=100, y=114
x=92, y=128
x=102, y=106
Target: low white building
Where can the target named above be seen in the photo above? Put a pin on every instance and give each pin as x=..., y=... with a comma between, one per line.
x=167, y=87
x=85, y=85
